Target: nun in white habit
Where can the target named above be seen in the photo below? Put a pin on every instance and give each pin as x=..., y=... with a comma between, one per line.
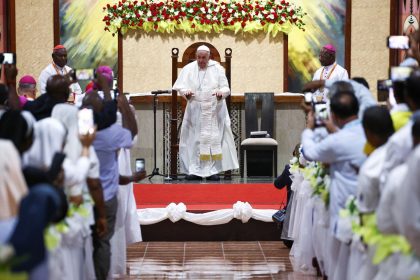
x=206, y=145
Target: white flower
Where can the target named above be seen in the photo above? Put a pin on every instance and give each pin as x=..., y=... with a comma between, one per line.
x=217, y=9
x=171, y=10
x=318, y=180
x=176, y=13
x=293, y=161
x=183, y=9
x=141, y=13
x=243, y=13
x=119, y=8
x=149, y=13
x=215, y=18
x=230, y=10
x=236, y=14
x=271, y=16
x=191, y=10
x=283, y=19
x=203, y=9
x=327, y=181
x=128, y=16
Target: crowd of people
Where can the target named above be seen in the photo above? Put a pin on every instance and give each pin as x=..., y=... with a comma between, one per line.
x=355, y=190
x=66, y=197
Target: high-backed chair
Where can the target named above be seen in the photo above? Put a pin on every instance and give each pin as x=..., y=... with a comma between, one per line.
x=261, y=153
x=187, y=57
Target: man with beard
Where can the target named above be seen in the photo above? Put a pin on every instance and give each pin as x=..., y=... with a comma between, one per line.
x=330, y=70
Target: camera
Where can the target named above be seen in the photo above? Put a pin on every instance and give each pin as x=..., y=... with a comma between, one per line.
x=321, y=113
x=85, y=122
x=140, y=165
x=308, y=97
x=7, y=58
x=84, y=74
x=398, y=42
x=400, y=73
x=384, y=88
x=321, y=109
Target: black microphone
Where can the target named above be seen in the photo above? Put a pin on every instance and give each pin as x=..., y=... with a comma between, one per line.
x=161, y=91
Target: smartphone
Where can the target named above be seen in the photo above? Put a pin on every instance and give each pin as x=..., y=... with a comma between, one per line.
x=7, y=58
x=398, y=42
x=85, y=122
x=400, y=73
x=114, y=84
x=84, y=74
x=384, y=85
x=308, y=97
x=322, y=113
x=140, y=164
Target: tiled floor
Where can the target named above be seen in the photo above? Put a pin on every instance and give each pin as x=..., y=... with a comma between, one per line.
x=210, y=260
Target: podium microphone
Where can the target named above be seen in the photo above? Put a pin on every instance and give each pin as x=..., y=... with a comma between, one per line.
x=161, y=91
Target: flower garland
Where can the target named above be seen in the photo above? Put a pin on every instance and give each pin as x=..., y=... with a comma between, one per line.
x=317, y=175
x=192, y=16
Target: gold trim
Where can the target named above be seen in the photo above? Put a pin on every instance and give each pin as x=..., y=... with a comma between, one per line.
x=217, y=157
x=205, y=157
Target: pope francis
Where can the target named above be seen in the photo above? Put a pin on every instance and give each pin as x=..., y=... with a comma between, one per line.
x=206, y=145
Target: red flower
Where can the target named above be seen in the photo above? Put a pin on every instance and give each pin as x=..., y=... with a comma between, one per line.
x=243, y=24
x=193, y=25
x=114, y=7
x=155, y=26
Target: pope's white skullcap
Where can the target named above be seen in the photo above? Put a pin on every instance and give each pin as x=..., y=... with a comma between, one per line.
x=203, y=48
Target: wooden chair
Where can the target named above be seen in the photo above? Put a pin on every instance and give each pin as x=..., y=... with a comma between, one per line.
x=260, y=152
x=187, y=57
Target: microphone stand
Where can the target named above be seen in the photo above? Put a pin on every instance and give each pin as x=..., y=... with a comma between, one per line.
x=155, y=169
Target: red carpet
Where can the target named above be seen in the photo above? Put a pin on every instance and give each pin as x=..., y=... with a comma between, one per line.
x=207, y=197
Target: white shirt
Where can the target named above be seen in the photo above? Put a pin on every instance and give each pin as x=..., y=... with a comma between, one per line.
x=387, y=211
x=49, y=71
x=343, y=150
x=409, y=206
x=399, y=146
x=368, y=193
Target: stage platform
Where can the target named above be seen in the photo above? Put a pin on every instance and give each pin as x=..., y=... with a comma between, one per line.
x=207, y=196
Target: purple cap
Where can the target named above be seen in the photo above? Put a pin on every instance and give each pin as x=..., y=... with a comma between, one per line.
x=27, y=79
x=104, y=69
x=330, y=48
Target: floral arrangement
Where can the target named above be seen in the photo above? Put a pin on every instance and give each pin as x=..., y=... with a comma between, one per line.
x=317, y=175
x=192, y=16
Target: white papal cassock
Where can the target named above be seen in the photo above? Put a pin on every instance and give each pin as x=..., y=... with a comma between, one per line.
x=206, y=143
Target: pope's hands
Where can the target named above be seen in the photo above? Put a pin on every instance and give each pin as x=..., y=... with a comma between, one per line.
x=188, y=94
x=218, y=94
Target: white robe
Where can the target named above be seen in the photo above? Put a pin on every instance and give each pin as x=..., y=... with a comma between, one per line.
x=192, y=134
x=324, y=73
x=127, y=226
x=368, y=192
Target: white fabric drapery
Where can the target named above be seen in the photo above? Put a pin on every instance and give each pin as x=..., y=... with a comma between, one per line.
x=241, y=210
